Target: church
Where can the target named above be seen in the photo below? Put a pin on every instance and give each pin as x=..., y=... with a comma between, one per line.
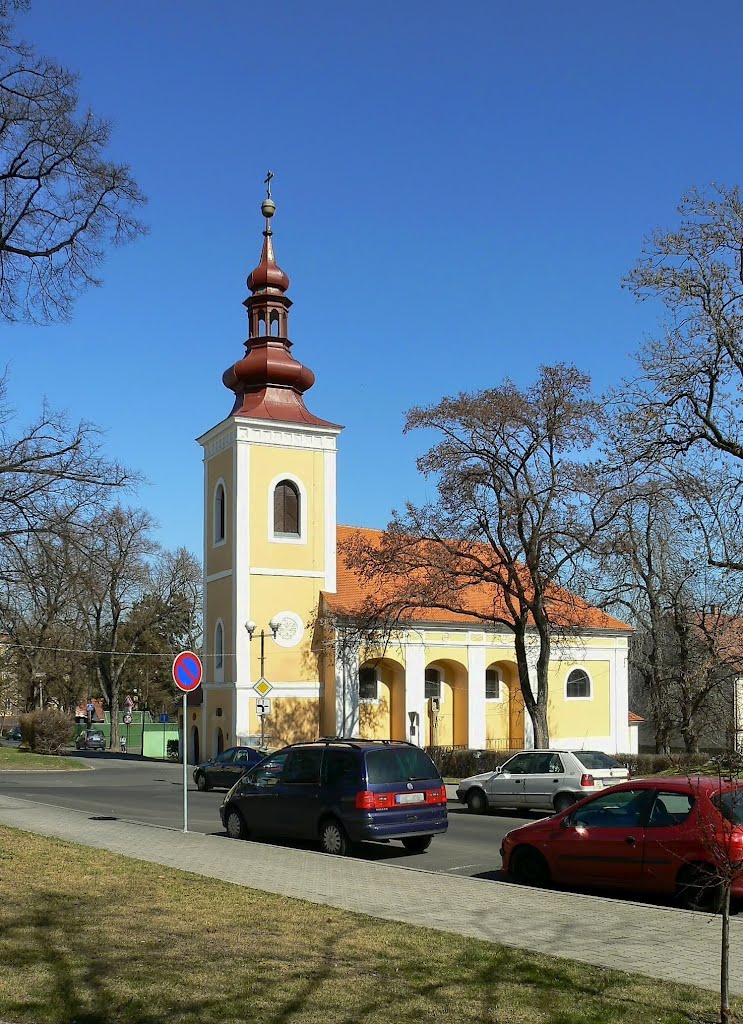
x=277, y=593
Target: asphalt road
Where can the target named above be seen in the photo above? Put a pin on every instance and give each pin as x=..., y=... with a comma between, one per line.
x=152, y=792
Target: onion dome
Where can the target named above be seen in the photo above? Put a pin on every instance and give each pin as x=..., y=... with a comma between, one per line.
x=268, y=381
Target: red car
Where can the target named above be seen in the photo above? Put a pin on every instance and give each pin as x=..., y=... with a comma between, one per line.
x=665, y=836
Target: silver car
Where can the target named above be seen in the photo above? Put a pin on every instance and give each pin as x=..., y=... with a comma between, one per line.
x=541, y=780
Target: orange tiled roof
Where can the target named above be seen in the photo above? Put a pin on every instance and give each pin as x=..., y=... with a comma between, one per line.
x=635, y=719
x=352, y=592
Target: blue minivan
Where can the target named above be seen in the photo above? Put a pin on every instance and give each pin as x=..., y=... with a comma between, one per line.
x=341, y=792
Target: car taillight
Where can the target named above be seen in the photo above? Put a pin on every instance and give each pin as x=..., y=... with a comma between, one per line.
x=366, y=800
x=436, y=796
x=586, y=780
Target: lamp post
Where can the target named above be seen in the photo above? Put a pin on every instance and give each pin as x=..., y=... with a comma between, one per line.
x=251, y=628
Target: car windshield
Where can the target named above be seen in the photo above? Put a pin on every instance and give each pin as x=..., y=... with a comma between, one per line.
x=730, y=805
x=399, y=764
x=596, y=759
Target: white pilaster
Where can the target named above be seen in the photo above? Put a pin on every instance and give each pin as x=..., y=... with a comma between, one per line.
x=242, y=562
x=619, y=690
x=476, y=733
x=331, y=542
x=346, y=688
x=415, y=688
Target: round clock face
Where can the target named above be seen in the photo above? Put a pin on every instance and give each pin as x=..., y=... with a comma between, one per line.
x=290, y=629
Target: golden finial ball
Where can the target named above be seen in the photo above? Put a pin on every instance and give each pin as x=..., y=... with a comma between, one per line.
x=268, y=207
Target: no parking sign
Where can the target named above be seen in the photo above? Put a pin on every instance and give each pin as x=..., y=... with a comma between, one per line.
x=187, y=673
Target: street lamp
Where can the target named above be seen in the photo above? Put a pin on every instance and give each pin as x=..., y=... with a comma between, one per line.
x=251, y=628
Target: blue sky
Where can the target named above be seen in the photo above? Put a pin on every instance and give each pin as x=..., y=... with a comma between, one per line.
x=459, y=191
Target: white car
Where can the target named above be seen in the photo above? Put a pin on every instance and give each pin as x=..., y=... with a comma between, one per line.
x=541, y=780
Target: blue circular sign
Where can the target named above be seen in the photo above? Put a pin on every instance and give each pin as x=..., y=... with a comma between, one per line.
x=187, y=671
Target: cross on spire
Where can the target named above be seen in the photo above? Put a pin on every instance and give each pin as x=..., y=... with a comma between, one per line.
x=267, y=183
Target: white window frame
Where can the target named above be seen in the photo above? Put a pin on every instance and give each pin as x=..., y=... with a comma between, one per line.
x=281, y=538
x=579, y=668
x=218, y=665
x=376, y=698
x=217, y=542
x=499, y=698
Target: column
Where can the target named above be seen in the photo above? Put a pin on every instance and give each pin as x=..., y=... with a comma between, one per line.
x=415, y=688
x=346, y=687
x=476, y=732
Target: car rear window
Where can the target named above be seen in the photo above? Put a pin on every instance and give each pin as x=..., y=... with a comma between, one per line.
x=95, y=735
x=399, y=764
x=730, y=805
x=594, y=760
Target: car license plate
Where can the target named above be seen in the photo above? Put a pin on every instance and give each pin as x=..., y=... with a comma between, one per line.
x=410, y=798
x=598, y=783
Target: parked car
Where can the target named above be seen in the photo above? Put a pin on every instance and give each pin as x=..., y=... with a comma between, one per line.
x=340, y=792
x=654, y=835
x=226, y=768
x=91, y=739
x=541, y=780
x=14, y=733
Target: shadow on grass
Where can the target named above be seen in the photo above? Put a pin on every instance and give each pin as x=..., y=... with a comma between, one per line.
x=62, y=965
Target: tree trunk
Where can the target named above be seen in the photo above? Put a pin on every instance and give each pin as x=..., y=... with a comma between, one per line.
x=662, y=737
x=725, y=959
x=536, y=707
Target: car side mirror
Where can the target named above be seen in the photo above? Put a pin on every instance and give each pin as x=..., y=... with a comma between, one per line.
x=498, y=769
x=568, y=821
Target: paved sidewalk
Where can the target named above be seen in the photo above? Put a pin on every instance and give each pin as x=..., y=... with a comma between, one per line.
x=663, y=943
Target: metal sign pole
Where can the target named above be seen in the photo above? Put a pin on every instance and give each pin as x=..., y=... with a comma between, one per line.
x=185, y=775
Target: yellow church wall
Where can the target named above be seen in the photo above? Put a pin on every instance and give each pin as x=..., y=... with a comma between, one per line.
x=219, y=606
x=326, y=662
x=497, y=721
x=219, y=558
x=270, y=595
x=309, y=467
x=292, y=719
x=575, y=718
x=219, y=697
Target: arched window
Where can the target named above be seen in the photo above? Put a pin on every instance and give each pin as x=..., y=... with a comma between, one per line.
x=578, y=686
x=432, y=683
x=219, y=646
x=286, y=509
x=368, y=684
x=492, y=684
x=219, y=514
x=274, y=324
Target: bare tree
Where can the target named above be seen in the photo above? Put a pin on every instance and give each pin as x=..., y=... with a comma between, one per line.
x=45, y=647
x=52, y=473
x=125, y=586
x=651, y=568
x=686, y=400
x=62, y=201
x=519, y=500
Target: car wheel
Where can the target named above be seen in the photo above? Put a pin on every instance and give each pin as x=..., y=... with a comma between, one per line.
x=529, y=867
x=699, y=888
x=477, y=802
x=417, y=844
x=333, y=838
x=562, y=802
x=201, y=782
x=235, y=826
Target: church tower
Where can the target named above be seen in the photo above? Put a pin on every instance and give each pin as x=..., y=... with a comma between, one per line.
x=269, y=531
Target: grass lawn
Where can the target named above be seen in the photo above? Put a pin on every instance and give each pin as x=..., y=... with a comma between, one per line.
x=11, y=758
x=87, y=936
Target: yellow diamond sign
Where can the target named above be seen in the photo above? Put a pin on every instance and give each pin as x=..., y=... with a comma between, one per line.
x=263, y=687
